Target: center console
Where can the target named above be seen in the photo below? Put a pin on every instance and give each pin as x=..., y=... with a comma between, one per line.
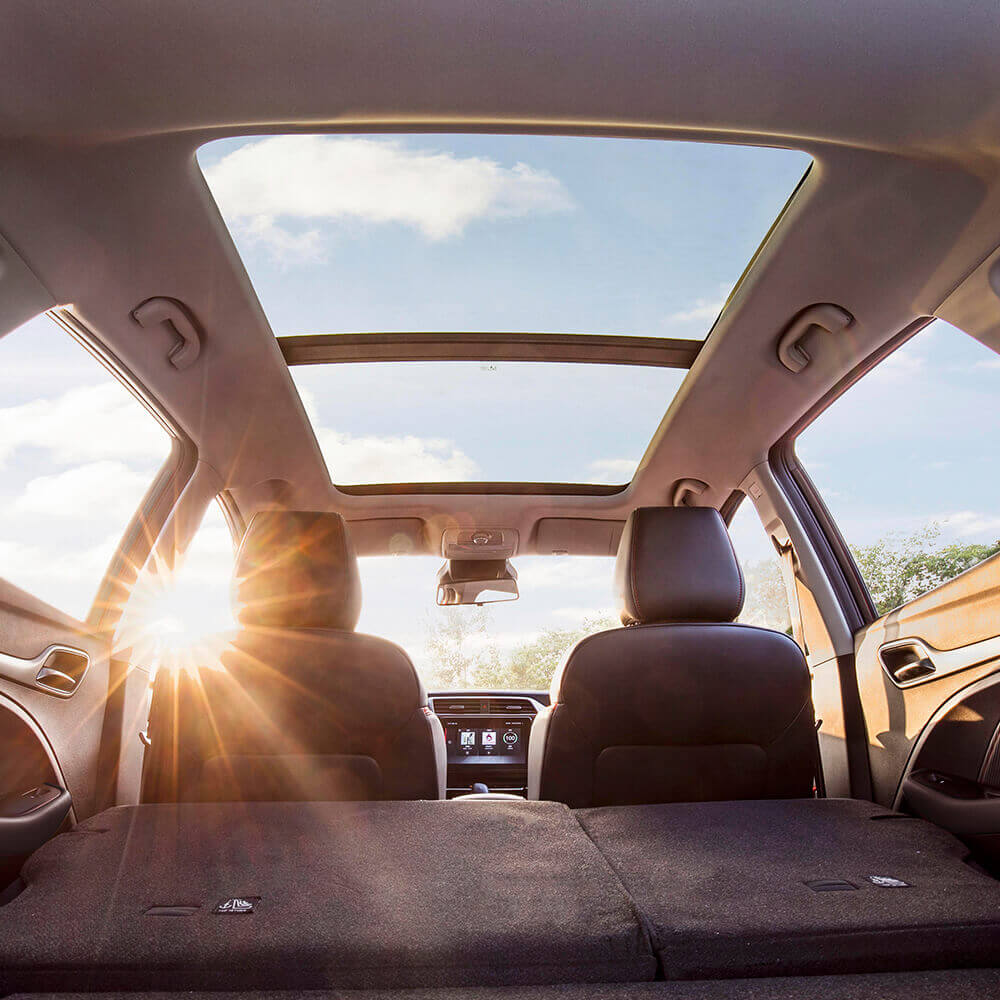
x=487, y=739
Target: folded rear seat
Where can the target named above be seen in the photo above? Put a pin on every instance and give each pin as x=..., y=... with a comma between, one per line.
x=793, y=887
x=377, y=894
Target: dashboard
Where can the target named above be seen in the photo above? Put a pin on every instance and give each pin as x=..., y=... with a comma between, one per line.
x=487, y=734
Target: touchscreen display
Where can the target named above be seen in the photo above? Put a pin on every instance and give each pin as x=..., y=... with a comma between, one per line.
x=475, y=741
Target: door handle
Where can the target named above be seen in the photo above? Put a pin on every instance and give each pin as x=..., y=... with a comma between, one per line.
x=56, y=670
x=907, y=661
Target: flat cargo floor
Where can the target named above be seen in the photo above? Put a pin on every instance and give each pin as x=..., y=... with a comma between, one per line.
x=379, y=894
x=407, y=895
x=798, y=886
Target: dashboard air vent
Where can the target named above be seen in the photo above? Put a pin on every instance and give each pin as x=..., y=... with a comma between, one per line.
x=458, y=706
x=510, y=706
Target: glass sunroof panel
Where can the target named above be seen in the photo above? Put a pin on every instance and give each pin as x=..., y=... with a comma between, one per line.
x=463, y=421
x=361, y=233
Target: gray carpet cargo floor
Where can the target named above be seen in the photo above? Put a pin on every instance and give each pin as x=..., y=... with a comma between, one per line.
x=401, y=895
x=793, y=887
x=392, y=894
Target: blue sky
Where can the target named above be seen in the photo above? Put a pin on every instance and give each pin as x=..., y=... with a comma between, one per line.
x=518, y=233
x=914, y=442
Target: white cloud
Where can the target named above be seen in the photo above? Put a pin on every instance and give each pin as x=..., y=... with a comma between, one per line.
x=25, y=562
x=265, y=185
x=899, y=366
x=67, y=580
x=970, y=523
x=565, y=573
x=576, y=616
x=612, y=470
x=703, y=309
x=85, y=424
x=108, y=487
x=375, y=459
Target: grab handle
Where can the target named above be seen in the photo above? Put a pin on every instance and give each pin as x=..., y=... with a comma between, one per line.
x=181, y=323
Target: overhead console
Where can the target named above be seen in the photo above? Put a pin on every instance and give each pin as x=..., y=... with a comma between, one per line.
x=487, y=739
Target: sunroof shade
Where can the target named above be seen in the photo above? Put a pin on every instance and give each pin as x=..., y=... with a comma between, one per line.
x=461, y=421
x=348, y=233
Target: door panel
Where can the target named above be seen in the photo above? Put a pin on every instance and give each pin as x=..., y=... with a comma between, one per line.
x=68, y=729
x=936, y=646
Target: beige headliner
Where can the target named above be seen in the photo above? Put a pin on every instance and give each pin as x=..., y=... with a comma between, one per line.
x=103, y=105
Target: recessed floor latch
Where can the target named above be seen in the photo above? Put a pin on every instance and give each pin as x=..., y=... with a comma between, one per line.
x=830, y=885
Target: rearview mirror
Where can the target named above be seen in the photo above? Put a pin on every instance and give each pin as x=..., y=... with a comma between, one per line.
x=476, y=581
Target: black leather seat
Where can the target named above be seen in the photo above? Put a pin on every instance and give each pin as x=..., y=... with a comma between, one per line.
x=305, y=708
x=684, y=705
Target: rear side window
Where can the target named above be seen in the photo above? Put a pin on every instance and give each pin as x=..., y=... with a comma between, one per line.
x=906, y=462
x=77, y=454
x=179, y=619
x=765, y=602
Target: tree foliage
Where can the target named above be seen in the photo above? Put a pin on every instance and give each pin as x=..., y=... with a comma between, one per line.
x=898, y=568
x=460, y=648
x=766, y=603
x=463, y=655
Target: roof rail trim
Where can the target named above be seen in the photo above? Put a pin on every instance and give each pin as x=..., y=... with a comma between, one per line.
x=579, y=348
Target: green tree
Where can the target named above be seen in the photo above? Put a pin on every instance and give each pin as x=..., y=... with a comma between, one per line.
x=530, y=666
x=898, y=568
x=463, y=655
x=459, y=647
x=766, y=602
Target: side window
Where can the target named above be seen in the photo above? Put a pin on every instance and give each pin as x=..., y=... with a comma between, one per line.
x=177, y=619
x=906, y=463
x=77, y=454
x=765, y=603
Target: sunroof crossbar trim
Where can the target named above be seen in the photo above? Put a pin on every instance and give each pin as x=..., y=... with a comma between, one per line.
x=582, y=348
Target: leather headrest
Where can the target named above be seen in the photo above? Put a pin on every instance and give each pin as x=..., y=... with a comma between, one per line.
x=297, y=569
x=677, y=564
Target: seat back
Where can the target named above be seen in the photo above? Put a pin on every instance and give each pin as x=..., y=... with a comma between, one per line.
x=299, y=706
x=682, y=705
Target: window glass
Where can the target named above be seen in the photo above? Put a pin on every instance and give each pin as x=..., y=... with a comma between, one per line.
x=765, y=602
x=178, y=619
x=77, y=453
x=494, y=422
x=528, y=233
x=507, y=646
x=906, y=461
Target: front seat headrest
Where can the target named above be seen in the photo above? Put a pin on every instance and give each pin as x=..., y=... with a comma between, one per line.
x=677, y=564
x=297, y=569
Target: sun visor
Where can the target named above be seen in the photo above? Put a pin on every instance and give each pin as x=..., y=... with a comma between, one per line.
x=389, y=536
x=975, y=305
x=22, y=295
x=577, y=536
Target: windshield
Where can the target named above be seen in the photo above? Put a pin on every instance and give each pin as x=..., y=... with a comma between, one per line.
x=517, y=645
x=509, y=646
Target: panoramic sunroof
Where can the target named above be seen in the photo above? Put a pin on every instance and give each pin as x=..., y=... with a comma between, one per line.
x=390, y=233
x=462, y=421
